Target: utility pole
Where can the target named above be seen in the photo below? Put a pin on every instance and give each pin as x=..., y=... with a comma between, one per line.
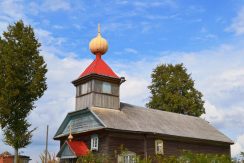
x=46, y=145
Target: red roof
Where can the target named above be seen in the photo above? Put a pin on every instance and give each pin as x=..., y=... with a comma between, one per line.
x=98, y=66
x=78, y=147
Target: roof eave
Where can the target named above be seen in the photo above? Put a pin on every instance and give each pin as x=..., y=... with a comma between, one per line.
x=58, y=137
x=171, y=136
x=90, y=76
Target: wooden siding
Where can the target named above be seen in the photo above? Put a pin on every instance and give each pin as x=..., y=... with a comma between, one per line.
x=98, y=100
x=86, y=137
x=106, y=101
x=111, y=141
x=84, y=101
x=96, y=97
x=175, y=148
x=136, y=142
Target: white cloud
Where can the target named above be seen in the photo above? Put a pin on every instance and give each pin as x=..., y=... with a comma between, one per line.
x=58, y=27
x=237, y=25
x=57, y=101
x=153, y=4
x=10, y=11
x=35, y=8
x=205, y=37
x=114, y=26
x=3, y=27
x=56, y=5
x=217, y=72
x=13, y=9
x=47, y=38
x=131, y=50
x=126, y=51
x=238, y=146
x=134, y=90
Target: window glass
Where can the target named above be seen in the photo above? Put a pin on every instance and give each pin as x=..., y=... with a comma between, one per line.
x=84, y=88
x=94, y=142
x=107, y=88
x=80, y=89
x=77, y=91
x=98, y=86
x=159, y=147
x=127, y=157
x=115, y=89
x=89, y=84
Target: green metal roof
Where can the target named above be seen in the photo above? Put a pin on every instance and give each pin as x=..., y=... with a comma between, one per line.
x=80, y=121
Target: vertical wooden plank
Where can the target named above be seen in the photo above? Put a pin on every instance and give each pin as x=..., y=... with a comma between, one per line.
x=145, y=146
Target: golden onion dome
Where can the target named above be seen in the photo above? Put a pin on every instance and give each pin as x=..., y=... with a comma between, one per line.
x=70, y=137
x=98, y=45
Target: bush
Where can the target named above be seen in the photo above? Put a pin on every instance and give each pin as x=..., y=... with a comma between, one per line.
x=185, y=157
x=93, y=158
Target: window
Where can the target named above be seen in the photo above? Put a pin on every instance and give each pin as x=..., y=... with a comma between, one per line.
x=107, y=88
x=115, y=89
x=83, y=89
x=77, y=90
x=127, y=157
x=94, y=143
x=159, y=147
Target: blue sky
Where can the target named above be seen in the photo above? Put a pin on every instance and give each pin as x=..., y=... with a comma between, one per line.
x=206, y=36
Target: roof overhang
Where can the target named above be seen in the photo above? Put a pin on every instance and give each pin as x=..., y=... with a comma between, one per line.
x=171, y=137
x=96, y=76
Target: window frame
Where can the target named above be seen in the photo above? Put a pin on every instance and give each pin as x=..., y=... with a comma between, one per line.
x=127, y=157
x=94, y=142
x=106, y=85
x=84, y=89
x=159, y=146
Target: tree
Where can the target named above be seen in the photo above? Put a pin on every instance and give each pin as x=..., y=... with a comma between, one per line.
x=22, y=82
x=173, y=90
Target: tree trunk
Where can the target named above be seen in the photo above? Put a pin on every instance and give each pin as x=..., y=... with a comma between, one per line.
x=16, y=155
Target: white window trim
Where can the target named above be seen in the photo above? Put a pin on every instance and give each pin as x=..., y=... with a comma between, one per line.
x=159, y=146
x=131, y=157
x=94, y=142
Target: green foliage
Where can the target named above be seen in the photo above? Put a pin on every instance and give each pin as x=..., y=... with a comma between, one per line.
x=239, y=158
x=22, y=82
x=188, y=156
x=93, y=158
x=242, y=156
x=143, y=160
x=185, y=157
x=173, y=90
x=17, y=134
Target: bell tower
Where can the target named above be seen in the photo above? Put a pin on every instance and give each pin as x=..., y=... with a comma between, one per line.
x=98, y=85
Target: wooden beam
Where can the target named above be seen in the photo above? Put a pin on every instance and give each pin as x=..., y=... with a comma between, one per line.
x=145, y=147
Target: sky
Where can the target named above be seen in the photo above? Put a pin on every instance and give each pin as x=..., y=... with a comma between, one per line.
x=206, y=36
